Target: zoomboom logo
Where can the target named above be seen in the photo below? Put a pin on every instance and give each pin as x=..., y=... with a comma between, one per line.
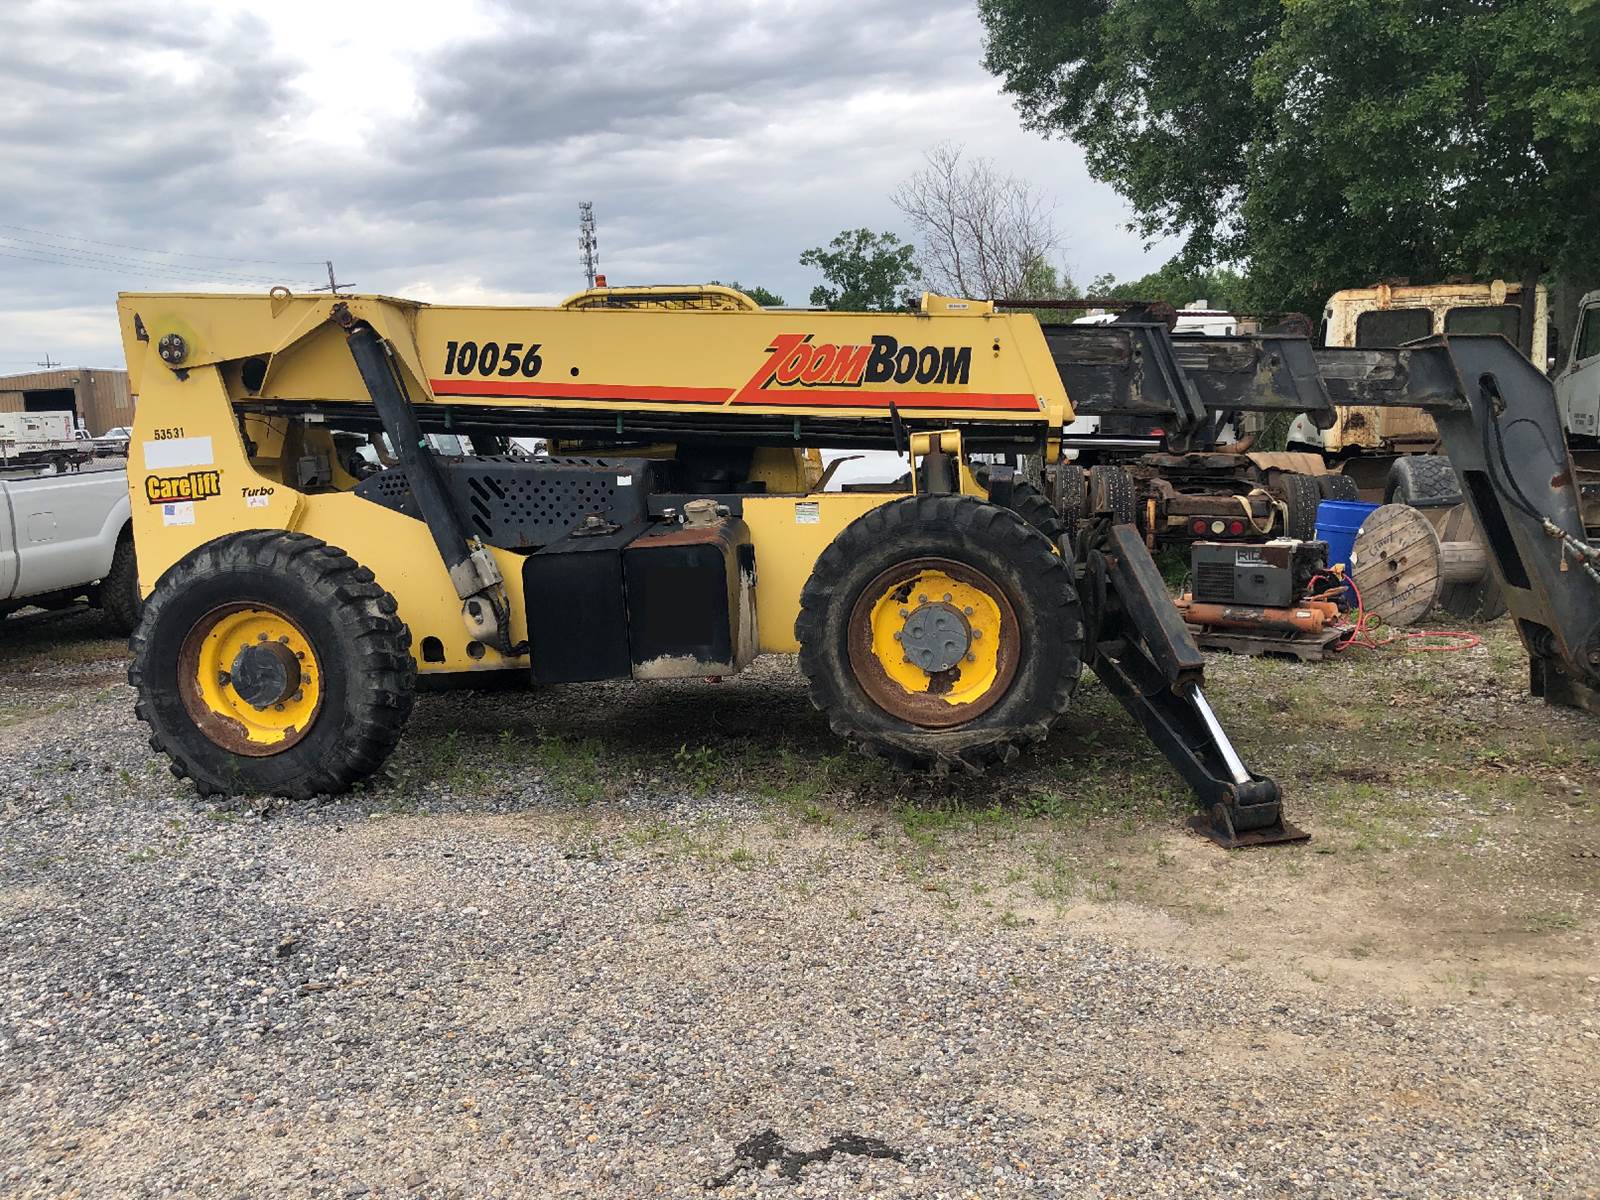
x=795, y=360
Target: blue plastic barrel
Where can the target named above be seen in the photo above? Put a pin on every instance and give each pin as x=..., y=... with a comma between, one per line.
x=1338, y=522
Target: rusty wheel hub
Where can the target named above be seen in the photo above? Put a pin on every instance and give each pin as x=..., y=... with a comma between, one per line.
x=933, y=642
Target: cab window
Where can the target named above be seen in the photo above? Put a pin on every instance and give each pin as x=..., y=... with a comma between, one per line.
x=1504, y=319
x=1386, y=327
x=1589, y=333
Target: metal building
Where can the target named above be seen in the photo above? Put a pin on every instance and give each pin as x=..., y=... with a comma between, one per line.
x=99, y=398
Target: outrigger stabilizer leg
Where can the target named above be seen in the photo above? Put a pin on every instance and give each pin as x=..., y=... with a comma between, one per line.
x=1144, y=655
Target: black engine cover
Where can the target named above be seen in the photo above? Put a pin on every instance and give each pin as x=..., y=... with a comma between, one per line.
x=525, y=504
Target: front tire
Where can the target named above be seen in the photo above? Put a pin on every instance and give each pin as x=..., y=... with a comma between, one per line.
x=119, y=590
x=271, y=662
x=1034, y=507
x=940, y=630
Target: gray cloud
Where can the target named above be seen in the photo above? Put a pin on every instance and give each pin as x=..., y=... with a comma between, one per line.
x=717, y=139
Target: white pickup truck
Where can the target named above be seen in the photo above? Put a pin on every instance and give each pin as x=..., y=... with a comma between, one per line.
x=65, y=536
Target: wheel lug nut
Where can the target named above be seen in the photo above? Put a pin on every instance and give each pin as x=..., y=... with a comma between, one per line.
x=898, y=636
x=922, y=599
x=224, y=678
x=977, y=633
x=967, y=610
x=300, y=695
x=947, y=597
x=972, y=658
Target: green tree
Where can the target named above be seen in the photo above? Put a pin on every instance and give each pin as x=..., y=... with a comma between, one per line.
x=755, y=291
x=1041, y=281
x=1327, y=143
x=865, y=271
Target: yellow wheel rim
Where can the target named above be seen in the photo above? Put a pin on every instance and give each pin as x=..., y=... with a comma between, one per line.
x=934, y=642
x=250, y=679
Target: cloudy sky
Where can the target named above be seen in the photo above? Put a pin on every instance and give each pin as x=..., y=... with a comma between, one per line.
x=439, y=150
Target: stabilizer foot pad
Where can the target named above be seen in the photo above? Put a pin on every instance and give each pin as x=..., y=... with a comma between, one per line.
x=1222, y=833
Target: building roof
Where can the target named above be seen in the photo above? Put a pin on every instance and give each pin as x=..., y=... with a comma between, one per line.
x=59, y=377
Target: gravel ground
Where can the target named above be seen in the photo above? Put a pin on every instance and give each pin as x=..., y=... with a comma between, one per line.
x=467, y=982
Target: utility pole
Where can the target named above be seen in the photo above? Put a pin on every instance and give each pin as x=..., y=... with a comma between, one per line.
x=333, y=284
x=587, y=242
x=47, y=364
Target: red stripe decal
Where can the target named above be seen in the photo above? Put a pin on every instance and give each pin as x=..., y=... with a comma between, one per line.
x=578, y=391
x=805, y=397
x=787, y=398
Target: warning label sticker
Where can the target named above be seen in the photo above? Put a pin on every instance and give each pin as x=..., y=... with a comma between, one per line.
x=807, y=512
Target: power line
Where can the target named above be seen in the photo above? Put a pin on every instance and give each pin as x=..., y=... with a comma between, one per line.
x=96, y=256
x=113, y=262
x=157, y=270
x=67, y=237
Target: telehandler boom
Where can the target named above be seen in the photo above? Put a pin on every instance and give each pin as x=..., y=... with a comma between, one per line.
x=296, y=595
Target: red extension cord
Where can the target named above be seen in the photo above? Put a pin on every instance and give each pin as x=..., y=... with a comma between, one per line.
x=1363, y=631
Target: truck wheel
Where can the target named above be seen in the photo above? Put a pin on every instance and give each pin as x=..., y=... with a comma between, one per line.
x=1070, y=485
x=1423, y=481
x=271, y=662
x=1338, y=487
x=119, y=590
x=1300, y=495
x=1111, y=491
x=939, y=631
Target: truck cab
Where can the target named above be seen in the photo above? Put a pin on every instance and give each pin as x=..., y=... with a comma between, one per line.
x=1578, y=384
x=1389, y=315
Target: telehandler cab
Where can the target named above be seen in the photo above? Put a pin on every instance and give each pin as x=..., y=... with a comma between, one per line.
x=294, y=598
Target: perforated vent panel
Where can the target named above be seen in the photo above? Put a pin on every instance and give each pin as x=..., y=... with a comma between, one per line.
x=540, y=507
x=522, y=504
x=391, y=485
x=1213, y=582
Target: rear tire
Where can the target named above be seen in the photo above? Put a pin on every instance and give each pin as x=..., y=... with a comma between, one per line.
x=1423, y=481
x=357, y=664
x=1070, y=488
x=119, y=590
x=1032, y=659
x=1300, y=495
x=1111, y=490
x=1338, y=487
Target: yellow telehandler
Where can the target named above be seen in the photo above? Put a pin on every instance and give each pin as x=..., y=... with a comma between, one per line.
x=311, y=541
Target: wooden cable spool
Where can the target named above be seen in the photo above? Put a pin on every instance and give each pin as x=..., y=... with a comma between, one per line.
x=1404, y=566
